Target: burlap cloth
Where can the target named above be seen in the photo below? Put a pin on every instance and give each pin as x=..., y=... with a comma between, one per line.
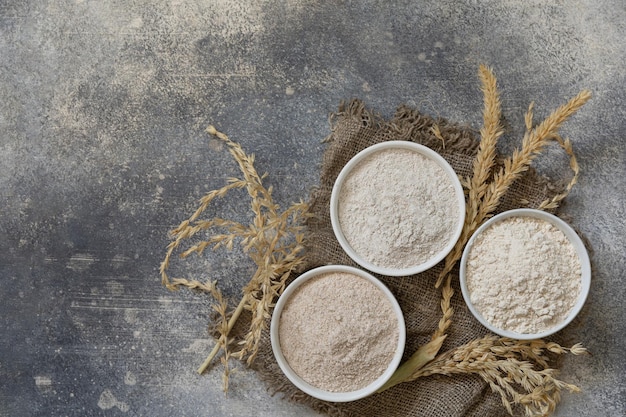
x=353, y=129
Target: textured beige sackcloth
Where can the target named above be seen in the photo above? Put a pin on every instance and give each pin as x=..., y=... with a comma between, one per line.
x=353, y=129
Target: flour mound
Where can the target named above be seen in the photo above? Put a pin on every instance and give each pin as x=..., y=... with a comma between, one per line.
x=523, y=275
x=398, y=208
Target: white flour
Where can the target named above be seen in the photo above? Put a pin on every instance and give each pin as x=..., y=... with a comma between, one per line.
x=338, y=332
x=398, y=208
x=523, y=275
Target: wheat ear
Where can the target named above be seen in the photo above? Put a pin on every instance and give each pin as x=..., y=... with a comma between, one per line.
x=273, y=240
x=477, y=186
x=483, y=197
x=533, y=143
x=517, y=370
x=482, y=165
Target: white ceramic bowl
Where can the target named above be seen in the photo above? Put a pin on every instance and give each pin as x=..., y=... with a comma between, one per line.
x=571, y=236
x=301, y=383
x=334, y=207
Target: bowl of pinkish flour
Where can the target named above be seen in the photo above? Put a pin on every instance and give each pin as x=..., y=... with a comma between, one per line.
x=397, y=208
x=525, y=274
x=337, y=333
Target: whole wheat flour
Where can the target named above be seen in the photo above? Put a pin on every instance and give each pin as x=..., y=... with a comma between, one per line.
x=523, y=275
x=398, y=208
x=338, y=332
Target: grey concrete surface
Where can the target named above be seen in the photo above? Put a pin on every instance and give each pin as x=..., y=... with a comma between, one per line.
x=102, y=151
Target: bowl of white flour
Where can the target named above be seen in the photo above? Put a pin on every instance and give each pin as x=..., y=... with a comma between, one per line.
x=337, y=333
x=397, y=208
x=525, y=274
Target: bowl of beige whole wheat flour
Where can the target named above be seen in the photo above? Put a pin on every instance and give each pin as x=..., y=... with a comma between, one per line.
x=397, y=208
x=525, y=274
x=337, y=333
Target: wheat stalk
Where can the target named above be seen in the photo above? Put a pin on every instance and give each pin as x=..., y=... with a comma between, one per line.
x=517, y=370
x=483, y=197
x=553, y=202
x=273, y=241
x=477, y=186
x=505, y=364
x=533, y=143
x=482, y=165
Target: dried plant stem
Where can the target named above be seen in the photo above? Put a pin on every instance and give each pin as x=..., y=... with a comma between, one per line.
x=533, y=143
x=223, y=334
x=482, y=166
x=421, y=357
x=505, y=364
x=273, y=241
x=477, y=186
x=553, y=202
x=516, y=370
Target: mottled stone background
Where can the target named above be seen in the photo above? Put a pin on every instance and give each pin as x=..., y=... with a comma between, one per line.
x=103, y=106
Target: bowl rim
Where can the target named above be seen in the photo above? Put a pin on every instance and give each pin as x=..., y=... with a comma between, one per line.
x=297, y=380
x=354, y=161
x=574, y=239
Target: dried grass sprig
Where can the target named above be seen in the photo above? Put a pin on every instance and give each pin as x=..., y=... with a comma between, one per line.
x=553, y=202
x=477, y=186
x=273, y=241
x=505, y=364
x=533, y=143
x=482, y=166
x=484, y=197
x=517, y=370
